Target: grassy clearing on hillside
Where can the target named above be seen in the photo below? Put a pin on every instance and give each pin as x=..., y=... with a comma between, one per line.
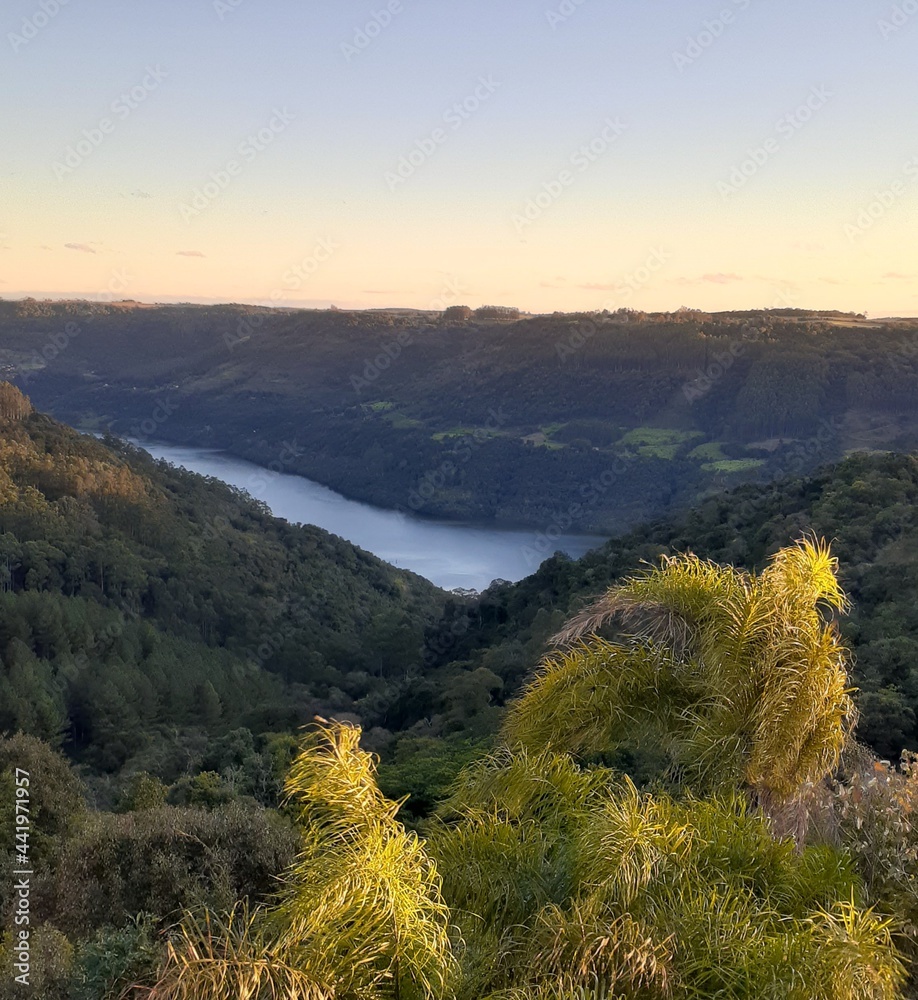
x=400, y=422
x=734, y=465
x=657, y=442
x=710, y=451
x=461, y=432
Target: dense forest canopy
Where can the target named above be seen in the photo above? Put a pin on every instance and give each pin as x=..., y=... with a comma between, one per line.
x=772, y=858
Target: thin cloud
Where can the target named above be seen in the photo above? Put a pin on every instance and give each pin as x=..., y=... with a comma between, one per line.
x=82, y=247
x=721, y=279
x=707, y=279
x=189, y=253
x=897, y=276
x=596, y=286
x=141, y=194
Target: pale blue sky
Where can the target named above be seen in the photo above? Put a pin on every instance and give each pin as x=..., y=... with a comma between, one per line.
x=791, y=231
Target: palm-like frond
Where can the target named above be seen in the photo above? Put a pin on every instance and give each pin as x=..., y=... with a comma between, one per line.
x=661, y=604
x=364, y=895
x=234, y=958
x=547, y=788
x=854, y=956
x=588, y=699
x=331, y=783
x=738, y=676
x=586, y=947
x=360, y=913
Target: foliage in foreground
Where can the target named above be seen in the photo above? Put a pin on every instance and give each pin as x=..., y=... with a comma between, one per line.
x=561, y=878
x=566, y=880
x=736, y=675
x=360, y=913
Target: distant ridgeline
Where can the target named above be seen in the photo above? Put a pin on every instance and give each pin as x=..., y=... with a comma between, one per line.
x=660, y=409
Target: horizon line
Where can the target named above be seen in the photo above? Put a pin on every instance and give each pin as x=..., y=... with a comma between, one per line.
x=317, y=305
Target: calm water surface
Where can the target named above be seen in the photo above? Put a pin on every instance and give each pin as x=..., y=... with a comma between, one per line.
x=447, y=553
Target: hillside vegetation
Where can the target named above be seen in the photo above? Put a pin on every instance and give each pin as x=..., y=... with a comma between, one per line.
x=868, y=505
x=145, y=611
x=590, y=421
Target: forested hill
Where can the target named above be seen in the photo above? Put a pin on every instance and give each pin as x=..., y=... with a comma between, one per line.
x=146, y=611
x=483, y=416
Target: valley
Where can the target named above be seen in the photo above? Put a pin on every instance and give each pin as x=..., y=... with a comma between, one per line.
x=579, y=423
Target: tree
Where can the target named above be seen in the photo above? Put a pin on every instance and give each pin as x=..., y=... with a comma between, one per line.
x=56, y=795
x=143, y=791
x=13, y=404
x=460, y=314
x=739, y=676
x=360, y=912
x=561, y=877
x=566, y=881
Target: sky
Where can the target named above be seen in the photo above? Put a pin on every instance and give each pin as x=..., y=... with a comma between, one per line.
x=543, y=154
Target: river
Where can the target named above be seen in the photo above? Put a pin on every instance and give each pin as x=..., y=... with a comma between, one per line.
x=449, y=554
